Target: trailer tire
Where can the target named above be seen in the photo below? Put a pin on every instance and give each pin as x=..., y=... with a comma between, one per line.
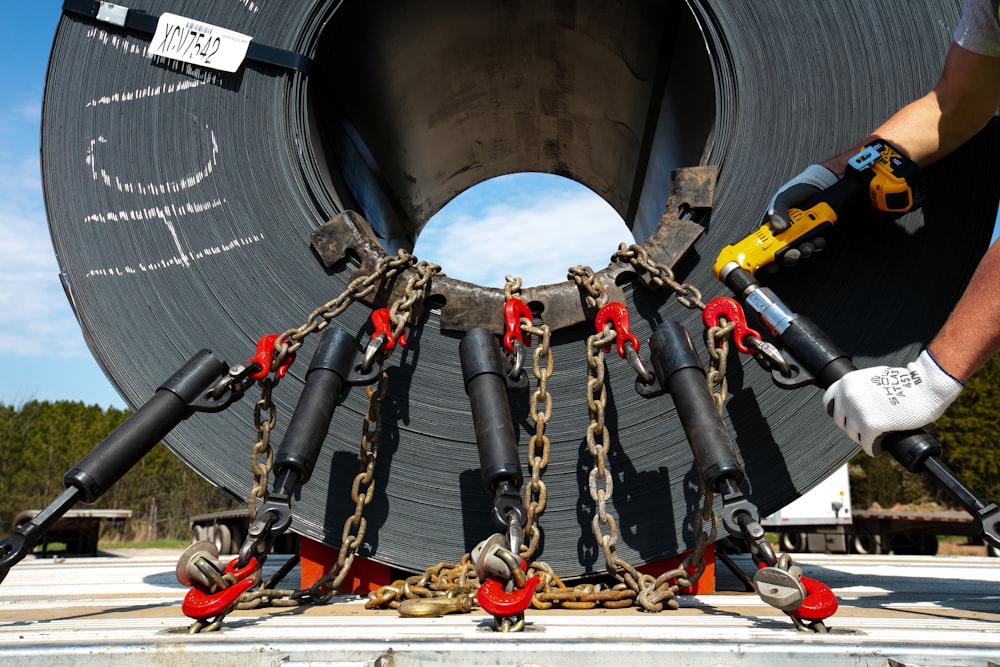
x=795, y=542
x=236, y=536
x=992, y=551
x=223, y=539
x=866, y=544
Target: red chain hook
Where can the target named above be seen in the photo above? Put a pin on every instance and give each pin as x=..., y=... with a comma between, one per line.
x=730, y=309
x=820, y=602
x=383, y=325
x=201, y=606
x=617, y=314
x=513, y=310
x=496, y=601
x=264, y=357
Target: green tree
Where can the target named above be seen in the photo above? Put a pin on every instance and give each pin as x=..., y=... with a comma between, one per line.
x=40, y=441
x=968, y=432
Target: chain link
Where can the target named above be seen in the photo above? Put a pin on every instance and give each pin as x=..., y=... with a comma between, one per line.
x=261, y=455
x=540, y=412
x=659, y=275
x=448, y=579
x=362, y=491
x=387, y=267
x=596, y=295
x=288, y=343
x=265, y=417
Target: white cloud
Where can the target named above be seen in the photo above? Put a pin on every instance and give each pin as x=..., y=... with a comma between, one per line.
x=536, y=238
x=37, y=320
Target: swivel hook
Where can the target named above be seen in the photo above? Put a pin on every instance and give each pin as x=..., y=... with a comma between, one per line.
x=493, y=595
x=202, y=605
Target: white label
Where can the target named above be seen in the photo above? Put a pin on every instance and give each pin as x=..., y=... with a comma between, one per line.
x=199, y=43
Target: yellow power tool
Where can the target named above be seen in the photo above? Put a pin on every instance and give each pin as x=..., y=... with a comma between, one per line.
x=894, y=184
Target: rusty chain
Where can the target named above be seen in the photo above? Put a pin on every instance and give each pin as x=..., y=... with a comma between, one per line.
x=362, y=491
x=387, y=267
x=540, y=412
x=261, y=455
x=650, y=592
x=632, y=587
x=659, y=275
x=288, y=343
x=449, y=579
x=363, y=487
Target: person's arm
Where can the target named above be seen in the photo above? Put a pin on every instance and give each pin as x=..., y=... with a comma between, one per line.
x=971, y=334
x=870, y=402
x=963, y=101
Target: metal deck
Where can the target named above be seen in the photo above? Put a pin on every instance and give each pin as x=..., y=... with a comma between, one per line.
x=113, y=610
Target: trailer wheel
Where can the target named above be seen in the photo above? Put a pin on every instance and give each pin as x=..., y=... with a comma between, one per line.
x=795, y=542
x=223, y=539
x=866, y=544
x=236, y=537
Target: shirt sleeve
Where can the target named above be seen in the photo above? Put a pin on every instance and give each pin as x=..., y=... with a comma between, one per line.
x=979, y=28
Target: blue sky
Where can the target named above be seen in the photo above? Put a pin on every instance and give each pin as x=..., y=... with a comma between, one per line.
x=46, y=357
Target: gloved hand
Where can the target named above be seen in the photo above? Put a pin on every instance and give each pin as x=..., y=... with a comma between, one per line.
x=870, y=402
x=813, y=179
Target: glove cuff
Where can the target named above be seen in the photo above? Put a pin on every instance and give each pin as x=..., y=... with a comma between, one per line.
x=940, y=382
x=818, y=175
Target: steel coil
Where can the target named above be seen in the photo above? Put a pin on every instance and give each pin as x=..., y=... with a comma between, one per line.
x=181, y=201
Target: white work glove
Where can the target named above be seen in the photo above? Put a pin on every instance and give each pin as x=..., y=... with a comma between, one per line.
x=813, y=179
x=870, y=402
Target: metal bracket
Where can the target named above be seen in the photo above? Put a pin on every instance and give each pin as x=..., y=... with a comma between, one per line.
x=467, y=306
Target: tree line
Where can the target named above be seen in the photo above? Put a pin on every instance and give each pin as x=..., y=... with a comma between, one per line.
x=41, y=440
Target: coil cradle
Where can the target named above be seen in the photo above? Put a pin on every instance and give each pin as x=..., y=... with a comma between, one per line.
x=181, y=203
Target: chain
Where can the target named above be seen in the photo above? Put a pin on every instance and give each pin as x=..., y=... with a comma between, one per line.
x=387, y=267
x=362, y=491
x=659, y=275
x=352, y=537
x=363, y=488
x=585, y=278
x=540, y=412
x=652, y=593
x=265, y=416
x=400, y=310
x=261, y=455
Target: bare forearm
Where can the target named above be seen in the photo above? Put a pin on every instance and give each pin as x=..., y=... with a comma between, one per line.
x=971, y=334
x=964, y=99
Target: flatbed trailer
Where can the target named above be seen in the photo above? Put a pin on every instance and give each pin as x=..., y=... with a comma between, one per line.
x=114, y=610
x=824, y=521
x=79, y=530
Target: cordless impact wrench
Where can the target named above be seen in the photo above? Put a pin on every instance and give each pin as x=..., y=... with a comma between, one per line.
x=894, y=185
